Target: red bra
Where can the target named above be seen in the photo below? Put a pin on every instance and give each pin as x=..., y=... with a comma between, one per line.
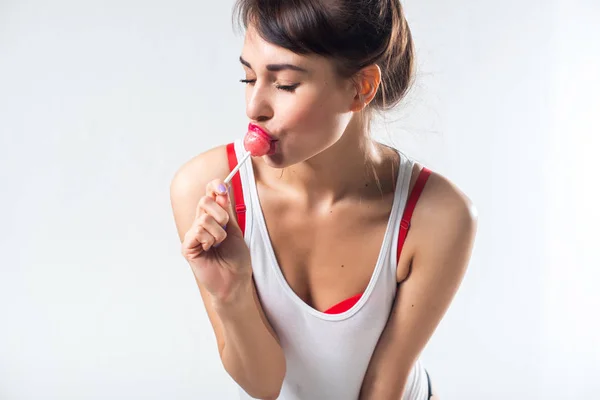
x=344, y=305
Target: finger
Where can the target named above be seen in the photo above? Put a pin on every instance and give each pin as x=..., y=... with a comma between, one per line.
x=214, y=209
x=215, y=188
x=214, y=228
x=197, y=239
x=202, y=236
x=225, y=203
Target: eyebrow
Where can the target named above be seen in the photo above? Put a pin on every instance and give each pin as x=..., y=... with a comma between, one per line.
x=276, y=67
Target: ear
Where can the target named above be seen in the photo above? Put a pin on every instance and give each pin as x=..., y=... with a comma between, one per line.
x=366, y=82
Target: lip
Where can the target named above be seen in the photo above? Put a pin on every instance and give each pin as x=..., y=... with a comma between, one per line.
x=261, y=131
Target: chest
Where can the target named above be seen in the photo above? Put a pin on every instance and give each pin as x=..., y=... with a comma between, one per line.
x=329, y=256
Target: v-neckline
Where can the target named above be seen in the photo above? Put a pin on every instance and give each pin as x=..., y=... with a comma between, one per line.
x=259, y=217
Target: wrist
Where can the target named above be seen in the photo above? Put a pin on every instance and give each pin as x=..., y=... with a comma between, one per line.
x=236, y=302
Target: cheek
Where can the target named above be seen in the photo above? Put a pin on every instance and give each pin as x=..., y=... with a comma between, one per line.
x=318, y=116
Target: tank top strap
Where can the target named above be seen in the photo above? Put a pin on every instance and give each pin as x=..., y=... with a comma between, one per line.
x=240, y=207
x=236, y=184
x=410, y=207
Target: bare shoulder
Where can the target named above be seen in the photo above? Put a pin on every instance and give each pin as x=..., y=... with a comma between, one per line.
x=193, y=176
x=444, y=212
x=442, y=197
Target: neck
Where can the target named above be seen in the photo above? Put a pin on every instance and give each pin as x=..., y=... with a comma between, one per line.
x=344, y=170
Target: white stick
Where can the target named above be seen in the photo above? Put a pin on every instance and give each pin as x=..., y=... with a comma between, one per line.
x=237, y=167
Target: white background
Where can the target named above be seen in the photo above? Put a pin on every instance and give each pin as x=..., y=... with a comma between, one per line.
x=101, y=102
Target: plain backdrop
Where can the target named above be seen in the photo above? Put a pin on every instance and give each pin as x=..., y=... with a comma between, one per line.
x=101, y=102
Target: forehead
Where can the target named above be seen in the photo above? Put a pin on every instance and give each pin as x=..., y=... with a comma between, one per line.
x=259, y=53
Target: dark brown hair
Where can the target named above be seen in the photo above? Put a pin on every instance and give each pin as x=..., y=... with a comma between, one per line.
x=353, y=33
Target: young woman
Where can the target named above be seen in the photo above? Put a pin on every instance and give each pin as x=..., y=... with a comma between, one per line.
x=327, y=265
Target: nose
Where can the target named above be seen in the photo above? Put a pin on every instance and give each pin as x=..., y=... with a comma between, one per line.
x=258, y=105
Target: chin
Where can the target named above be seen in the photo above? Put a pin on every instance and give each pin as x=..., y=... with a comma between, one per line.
x=275, y=160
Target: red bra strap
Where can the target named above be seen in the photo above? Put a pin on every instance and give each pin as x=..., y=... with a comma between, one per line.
x=236, y=183
x=410, y=207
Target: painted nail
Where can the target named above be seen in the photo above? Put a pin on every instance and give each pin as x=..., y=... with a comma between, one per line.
x=222, y=189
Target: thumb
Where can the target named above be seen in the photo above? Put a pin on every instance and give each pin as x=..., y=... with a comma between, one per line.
x=223, y=198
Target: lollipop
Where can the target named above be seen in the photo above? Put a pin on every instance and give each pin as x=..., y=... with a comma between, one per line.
x=257, y=143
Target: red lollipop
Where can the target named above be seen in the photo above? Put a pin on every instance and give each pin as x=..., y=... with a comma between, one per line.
x=257, y=142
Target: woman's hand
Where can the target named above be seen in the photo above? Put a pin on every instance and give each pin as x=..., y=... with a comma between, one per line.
x=214, y=245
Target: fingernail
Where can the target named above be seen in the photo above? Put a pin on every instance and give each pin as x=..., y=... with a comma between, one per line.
x=222, y=189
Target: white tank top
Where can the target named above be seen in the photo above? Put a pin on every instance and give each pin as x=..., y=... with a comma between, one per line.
x=326, y=355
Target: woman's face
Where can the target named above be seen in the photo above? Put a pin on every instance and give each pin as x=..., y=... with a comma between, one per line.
x=307, y=108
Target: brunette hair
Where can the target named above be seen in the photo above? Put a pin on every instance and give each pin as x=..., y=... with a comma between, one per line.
x=353, y=33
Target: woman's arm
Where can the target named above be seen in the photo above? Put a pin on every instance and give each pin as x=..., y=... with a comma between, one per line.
x=444, y=226
x=248, y=345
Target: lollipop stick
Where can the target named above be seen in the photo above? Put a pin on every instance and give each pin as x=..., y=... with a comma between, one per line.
x=237, y=167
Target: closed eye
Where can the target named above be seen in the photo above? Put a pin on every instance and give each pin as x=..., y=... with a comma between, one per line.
x=288, y=88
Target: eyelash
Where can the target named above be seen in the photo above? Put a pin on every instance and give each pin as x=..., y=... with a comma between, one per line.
x=290, y=88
